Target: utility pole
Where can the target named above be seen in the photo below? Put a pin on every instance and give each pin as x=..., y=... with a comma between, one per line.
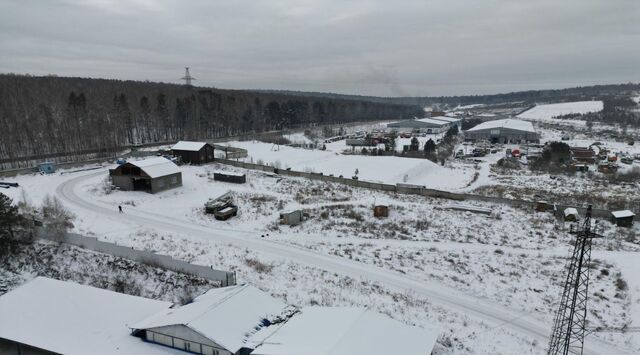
x=569, y=329
x=187, y=77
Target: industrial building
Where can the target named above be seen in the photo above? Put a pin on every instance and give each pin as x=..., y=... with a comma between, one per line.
x=46, y=317
x=193, y=152
x=452, y=121
x=149, y=175
x=214, y=323
x=421, y=125
x=503, y=131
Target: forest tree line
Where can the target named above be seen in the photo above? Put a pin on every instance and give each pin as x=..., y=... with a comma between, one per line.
x=528, y=97
x=51, y=115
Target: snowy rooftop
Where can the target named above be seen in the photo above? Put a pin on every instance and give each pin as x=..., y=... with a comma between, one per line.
x=224, y=315
x=68, y=318
x=156, y=167
x=570, y=211
x=432, y=121
x=505, y=123
x=343, y=331
x=188, y=145
x=446, y=119
x=623, y=214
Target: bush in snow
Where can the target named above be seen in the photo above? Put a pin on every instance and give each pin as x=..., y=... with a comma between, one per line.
x=56, y=218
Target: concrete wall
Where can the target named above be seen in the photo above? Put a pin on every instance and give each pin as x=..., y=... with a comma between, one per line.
x=596, y=212
x=225, y=278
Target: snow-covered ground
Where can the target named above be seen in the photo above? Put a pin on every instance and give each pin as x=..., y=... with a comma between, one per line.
x=386, y=169
x=550, y=111
x=490, y=283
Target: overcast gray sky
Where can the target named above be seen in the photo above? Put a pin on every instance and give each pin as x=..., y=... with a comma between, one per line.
x=381, y=47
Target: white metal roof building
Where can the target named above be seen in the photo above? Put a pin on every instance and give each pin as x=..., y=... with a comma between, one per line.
x=425, y=125
x=218, y=322
x=344, y=331
x=150, y=175
x=448, y=119
x=504, y=131
x=67, y=318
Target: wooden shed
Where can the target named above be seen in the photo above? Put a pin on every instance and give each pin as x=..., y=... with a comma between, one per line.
x=150, y=175
x=381, y=211
x=193, y=152
x=230, y=177
x=571, y=214
x=291, y=218
x=622, y=218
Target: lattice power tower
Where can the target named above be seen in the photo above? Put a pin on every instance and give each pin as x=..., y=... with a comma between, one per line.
x=569, y=328
x=187, y=77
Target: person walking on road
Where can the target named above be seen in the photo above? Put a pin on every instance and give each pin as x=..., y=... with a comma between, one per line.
x=119, y=208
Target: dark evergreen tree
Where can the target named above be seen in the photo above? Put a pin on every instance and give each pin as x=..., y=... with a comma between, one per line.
x=429, y=147
x=9, y=217
x=415, y=144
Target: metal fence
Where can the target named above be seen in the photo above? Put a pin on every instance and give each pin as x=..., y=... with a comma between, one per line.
x=226, y=278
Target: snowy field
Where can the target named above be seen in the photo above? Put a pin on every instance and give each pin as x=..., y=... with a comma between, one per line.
x=385, y=169
x=550, y=111
x=402, y=266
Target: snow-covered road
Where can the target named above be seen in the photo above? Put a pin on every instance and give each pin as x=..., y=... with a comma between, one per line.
x=482, y=309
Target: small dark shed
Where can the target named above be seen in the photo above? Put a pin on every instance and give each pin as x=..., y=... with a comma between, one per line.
x=622, y=218
x=381, y=211
x=291, y=218
x=150, y=175
x=193, y=152
x=230, y=177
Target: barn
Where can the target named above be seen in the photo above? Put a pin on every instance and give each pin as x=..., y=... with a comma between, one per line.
x=503, y=131
x=216, y=322
x=149, y=175
x=422, y=125
x=193, y=152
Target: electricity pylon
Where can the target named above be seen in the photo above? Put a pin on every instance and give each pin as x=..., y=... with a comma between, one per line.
x=187, y=77
x=569, y=328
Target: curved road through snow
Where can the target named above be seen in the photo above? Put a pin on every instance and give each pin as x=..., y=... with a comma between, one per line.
x=482, y=309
